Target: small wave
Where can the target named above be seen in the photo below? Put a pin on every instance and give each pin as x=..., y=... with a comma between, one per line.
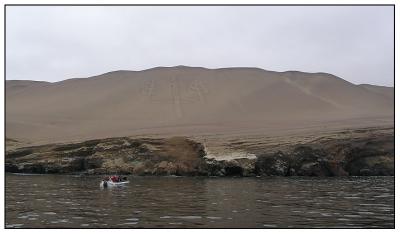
x=366, y=213
x=16, y=225
x=28, y=174
x=131, y=223
x=262, y=201
x=189, y=217
x=213, y=217
x=49, y=213
x=313, y=212
x=352, y=216
x=384, y=195
x=372, y=204
x=326, y=214
x=270, y=225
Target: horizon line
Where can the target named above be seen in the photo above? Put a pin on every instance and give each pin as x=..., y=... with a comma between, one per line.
x=191, y=67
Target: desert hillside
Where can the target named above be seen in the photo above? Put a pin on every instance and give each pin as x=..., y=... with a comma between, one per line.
x=191, y=101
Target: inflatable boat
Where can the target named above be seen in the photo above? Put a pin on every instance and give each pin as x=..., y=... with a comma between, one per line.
x=105, y=184
x=110, y=183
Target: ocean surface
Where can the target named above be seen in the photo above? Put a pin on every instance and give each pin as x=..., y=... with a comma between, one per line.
x=60, y=201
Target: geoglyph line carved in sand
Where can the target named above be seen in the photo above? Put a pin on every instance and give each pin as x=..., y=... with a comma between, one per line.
x=176, y=97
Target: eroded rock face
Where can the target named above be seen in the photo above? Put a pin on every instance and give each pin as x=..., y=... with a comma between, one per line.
x=371, y=157
x=364, y=155
x=354, y=157
x=173, y=156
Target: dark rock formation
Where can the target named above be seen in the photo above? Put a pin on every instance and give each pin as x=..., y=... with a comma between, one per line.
x=276, y=164
x=364, y=155
x=371, y=157
x=337, y=157
x=234, y=167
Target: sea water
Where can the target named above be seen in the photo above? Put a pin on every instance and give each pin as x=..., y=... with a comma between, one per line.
x=66, y=201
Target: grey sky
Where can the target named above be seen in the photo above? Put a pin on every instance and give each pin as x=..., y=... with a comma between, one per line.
x=57, y=43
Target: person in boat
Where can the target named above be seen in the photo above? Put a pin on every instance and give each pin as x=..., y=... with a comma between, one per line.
x=114, y=178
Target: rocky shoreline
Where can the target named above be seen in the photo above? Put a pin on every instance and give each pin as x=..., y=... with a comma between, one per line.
x=360, y=152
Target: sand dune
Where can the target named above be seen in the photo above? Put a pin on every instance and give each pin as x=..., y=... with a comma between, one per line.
x=189, y=100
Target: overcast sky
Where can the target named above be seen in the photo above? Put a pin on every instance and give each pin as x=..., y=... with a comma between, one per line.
x=57, y=43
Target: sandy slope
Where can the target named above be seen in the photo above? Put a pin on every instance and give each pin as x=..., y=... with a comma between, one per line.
x=190, y=101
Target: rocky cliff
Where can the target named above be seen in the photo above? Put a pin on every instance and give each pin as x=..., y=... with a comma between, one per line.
x=361, y=152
